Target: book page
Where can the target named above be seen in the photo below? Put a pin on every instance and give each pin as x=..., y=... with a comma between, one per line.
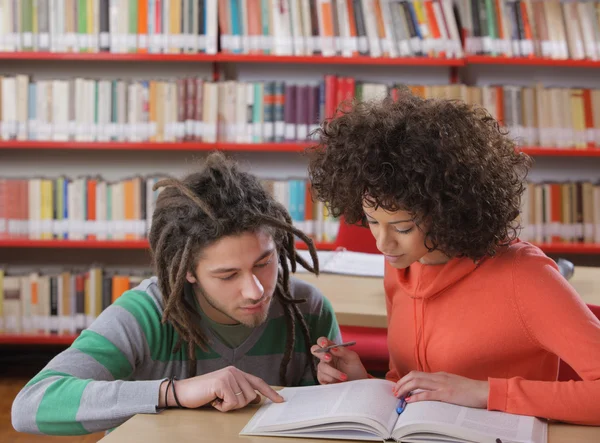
x=363, y=401
x=459, y=421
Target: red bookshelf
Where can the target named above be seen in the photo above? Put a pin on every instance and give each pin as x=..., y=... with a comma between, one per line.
x=529, y=61
x=538, y=151
x=561, y=248
x=150, y=146
x=36, y=339
x=233, y=58
x=338, y=60
x=313, y=59
x=107, y=57
x=73, y=244
x=106, y=244
x=570, y=248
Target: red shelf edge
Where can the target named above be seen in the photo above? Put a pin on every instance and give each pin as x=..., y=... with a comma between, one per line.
x=153, y=146
x=106, y=56
x=36, y=339
x=107, y=244
x=574, y=248
x=524, y=61
x=314, y=59
x=233, y=58
x=540, y=151
x=339, y=60
x=569, y=248
x=73, y=244
x=299, y=146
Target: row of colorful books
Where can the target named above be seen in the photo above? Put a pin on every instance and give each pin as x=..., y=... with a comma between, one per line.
x=118, y=26
x=378, y=28
x=566, y=212
x=92, y=208
x=285, y=27
x=59, y=301
x=194, y=109
x=556, y=29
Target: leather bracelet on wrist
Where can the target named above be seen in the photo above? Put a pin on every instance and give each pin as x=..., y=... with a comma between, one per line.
x=173, y=378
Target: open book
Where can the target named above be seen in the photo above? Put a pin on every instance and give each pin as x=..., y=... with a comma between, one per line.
x=366, y=410
x=346, y=263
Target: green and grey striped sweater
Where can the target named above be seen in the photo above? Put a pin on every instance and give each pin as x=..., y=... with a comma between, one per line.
x=115, y=367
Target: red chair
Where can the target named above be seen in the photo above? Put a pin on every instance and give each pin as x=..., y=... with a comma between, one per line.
x=566, y=372
x=371, y=346
x=355, y=238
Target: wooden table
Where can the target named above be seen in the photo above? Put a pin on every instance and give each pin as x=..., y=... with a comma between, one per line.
x=210, y=425
x=357, y=301
x=360, y=301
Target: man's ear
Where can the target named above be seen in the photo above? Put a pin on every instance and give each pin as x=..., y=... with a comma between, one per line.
x=190, y=277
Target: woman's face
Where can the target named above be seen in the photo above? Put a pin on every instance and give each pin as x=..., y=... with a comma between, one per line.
x=400, y=239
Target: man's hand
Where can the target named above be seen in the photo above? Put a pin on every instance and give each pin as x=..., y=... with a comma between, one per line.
x=440, y=386
x=340, y=364
x=225, y=389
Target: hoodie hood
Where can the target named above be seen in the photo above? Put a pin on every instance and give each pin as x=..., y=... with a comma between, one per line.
x=420, y=281
x=423, y=283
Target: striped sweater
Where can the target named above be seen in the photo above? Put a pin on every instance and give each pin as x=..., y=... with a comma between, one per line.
x=115, y=367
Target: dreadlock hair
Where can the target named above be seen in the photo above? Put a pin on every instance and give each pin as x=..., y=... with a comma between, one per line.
x=218, y=201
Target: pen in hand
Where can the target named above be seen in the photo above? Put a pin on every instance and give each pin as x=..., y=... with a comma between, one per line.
x=401, y=405
x=341, y=345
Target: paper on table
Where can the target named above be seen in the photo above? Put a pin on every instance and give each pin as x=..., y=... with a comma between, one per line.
x=347, y=263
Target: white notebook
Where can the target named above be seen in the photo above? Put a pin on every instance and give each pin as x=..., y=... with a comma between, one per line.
x=346, y=263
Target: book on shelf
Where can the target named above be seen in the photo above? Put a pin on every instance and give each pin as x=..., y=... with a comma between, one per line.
x=376, y=28
x=561, y=212
x=92, y=208
x=192, y=109
x=59, y=301
x=91, y=26
x=366, y=410
x=531, y=28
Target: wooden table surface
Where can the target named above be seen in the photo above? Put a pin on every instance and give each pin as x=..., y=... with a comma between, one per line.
x=210, y=425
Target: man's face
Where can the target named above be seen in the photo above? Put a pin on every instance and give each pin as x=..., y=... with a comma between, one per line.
x=235, y=278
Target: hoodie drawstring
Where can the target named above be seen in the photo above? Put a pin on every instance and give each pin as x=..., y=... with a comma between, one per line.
x=417, y=359
x=419, y=337
x=424, y=365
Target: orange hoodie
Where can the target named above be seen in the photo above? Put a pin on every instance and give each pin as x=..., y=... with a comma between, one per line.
x=507, y=320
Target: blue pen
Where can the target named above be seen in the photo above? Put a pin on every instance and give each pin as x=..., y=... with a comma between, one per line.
x=401, y=405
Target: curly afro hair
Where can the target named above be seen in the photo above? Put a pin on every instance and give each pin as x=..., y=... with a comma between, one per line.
x=447, y=163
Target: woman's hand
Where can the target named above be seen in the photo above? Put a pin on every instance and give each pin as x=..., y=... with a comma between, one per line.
x=337, y=365
x=440, y=386
x=225, y=389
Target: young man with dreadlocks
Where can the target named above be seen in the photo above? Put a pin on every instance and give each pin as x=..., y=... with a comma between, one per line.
x=221, y=320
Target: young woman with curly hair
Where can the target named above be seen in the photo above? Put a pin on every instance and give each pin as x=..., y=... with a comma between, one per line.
x=476, y=317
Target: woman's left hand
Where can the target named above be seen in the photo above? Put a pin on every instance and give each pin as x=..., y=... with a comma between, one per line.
x=440, y=386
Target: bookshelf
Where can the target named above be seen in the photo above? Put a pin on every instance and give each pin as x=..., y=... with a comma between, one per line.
x=232, y=58
x=551, y=248
x=107, y=244
x=474, y=60
x=470, y=60
x=154, y=146
x=535, y=151
x=37, y=339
